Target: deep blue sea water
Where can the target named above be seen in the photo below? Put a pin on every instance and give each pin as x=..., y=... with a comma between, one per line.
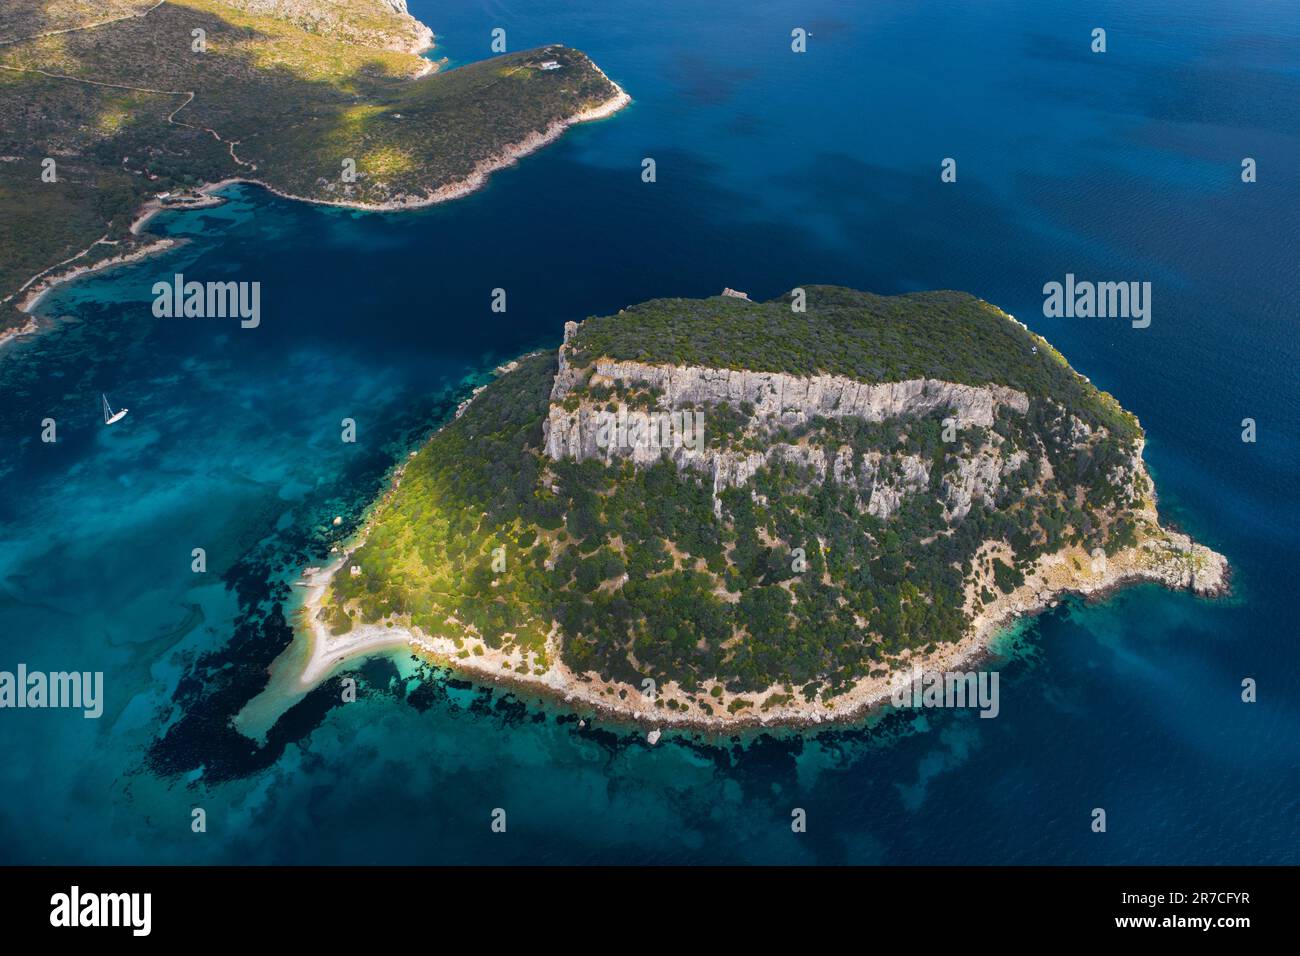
x=774, y=170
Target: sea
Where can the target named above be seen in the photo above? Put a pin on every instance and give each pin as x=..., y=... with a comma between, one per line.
x=773, y=169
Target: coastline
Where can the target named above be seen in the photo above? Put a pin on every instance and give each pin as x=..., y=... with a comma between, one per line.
x=41, y=284
x=326, y=654
x=36, y=293
x=1161, y=555
x=475, y=180
x=8, y=335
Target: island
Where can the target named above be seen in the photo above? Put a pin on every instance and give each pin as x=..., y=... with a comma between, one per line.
x=721, y=512
x=113, y=109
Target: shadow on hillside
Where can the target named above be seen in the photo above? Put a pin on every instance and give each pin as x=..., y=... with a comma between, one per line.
x=26, y=18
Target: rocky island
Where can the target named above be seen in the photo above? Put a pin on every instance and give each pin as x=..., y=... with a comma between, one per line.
x=112, y=110
x=720, y=512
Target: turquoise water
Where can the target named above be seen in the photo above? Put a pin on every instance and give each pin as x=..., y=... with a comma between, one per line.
x=774, y=170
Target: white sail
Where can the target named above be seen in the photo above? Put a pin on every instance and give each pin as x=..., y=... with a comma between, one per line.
x=111, y=416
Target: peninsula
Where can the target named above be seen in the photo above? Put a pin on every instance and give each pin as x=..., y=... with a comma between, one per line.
x=721, y=512
x=113, y=109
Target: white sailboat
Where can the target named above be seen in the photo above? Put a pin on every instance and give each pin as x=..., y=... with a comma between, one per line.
x=111, y=416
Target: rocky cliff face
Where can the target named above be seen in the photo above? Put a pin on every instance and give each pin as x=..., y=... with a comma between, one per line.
x=577, y=427
x=782, y=400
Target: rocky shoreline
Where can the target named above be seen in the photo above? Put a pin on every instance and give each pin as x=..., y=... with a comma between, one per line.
x=36, y=293
x=474, y=181
x=593, y=694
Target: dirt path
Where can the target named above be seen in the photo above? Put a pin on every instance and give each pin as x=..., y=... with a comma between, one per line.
x=86, y=26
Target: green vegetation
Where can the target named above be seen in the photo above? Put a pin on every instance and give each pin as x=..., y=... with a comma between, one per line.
x=283, y=98
x=1006, y=577
x=640, y=576
x=950, y=336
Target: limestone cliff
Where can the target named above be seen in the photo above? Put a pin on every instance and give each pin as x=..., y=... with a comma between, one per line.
x=774, y=402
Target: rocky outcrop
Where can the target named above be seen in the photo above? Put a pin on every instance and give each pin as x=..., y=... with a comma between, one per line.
x=420, y=36
x=1177, y=562
x=567, y=376
x=975, y=479
x=893, y=478
x=782, y=400
x=577, y=427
